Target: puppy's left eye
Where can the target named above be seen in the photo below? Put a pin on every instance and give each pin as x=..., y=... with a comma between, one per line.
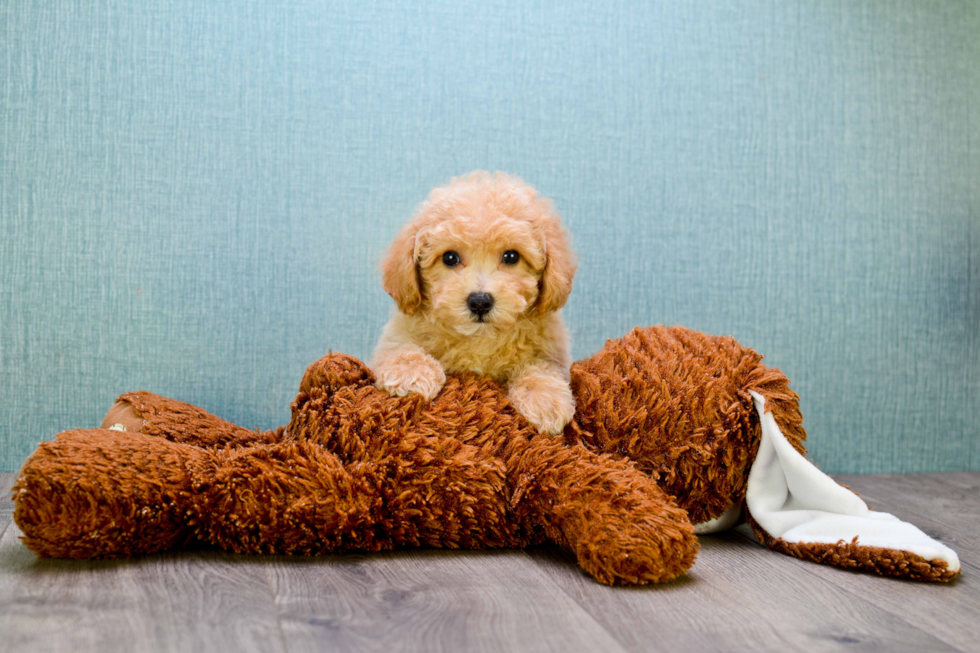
x=450, y=259
x=511, y=257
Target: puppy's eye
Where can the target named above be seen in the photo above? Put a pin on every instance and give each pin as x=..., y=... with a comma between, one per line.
x=450, y=259
x=511, y=257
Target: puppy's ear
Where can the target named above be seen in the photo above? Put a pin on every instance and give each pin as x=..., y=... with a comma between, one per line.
x=559, y=267
x=399, y=270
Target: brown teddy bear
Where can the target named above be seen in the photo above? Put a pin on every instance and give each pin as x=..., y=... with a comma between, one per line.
x=668, y=428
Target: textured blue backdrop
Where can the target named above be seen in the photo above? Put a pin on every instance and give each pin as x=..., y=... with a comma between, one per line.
x=194, y=196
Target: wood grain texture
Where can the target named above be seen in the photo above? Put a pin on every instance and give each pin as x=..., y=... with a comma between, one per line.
x=191, y=601
x=6, y=504
x=947, y=502
x=208, y=601
x=430, y=600
x=738, y=597
x=947, y=507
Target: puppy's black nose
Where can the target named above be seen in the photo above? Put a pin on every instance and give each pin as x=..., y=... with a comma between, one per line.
x=479, y=303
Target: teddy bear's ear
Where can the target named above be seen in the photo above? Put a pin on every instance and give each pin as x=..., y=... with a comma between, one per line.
x=399, y=270
x=559, y=268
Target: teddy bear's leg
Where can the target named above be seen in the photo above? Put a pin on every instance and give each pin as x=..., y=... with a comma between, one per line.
x=122, y=416
x=101, y=493
x=622, y=527
x=152, y=414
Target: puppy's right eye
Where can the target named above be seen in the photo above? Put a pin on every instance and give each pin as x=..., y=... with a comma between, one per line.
x=450, y=259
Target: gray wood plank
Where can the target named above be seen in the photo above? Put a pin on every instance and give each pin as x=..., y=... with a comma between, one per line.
x=58, y=605
x=945, y=511
x=180, y=602
x=950, y=498
x=208, y=601
x=740, y=597
x=964, y=480
x=948, y=611
x=6, y=503
x=429, y=600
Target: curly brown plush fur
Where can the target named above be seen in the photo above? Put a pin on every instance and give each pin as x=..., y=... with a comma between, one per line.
x=664, y=434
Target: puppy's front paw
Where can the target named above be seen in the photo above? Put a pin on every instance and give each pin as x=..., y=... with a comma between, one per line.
x=544, y=399
x=410, y=372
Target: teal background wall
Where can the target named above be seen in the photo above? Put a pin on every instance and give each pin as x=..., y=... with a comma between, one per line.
x=194, y=196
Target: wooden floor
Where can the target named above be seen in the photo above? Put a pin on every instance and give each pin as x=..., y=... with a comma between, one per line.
x=738, y=597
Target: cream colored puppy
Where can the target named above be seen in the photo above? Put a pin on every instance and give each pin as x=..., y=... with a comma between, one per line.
x=479, y=275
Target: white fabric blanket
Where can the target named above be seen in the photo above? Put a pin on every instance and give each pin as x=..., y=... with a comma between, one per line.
x=791, y=499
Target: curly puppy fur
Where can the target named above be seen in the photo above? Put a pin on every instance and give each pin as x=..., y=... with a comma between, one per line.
x=460, y=244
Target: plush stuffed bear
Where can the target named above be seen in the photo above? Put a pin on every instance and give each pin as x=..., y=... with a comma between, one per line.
x=673, y=429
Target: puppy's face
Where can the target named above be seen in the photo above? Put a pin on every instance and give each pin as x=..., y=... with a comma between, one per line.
x=481, y=253
x=479, y=273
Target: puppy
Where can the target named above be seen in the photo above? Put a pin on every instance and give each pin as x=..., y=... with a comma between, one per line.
x=479, y=275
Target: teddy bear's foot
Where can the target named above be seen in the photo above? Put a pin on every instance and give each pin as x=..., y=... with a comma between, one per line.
x=623, y=529
x=103, y=494
x=122, y=416
x=152, y=414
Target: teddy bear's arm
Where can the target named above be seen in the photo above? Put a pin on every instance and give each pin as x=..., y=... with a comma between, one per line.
x=335, y=371
x=621, y=526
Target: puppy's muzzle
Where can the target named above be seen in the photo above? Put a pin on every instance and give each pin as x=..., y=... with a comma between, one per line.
x=479, y=303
